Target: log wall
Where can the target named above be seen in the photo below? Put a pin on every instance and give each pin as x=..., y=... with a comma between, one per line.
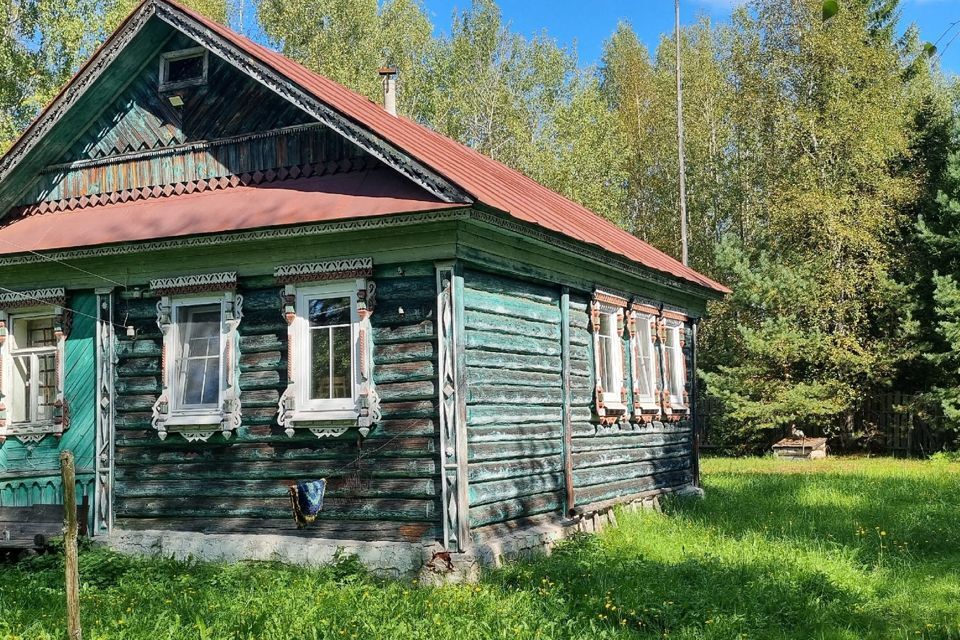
x=381, y=488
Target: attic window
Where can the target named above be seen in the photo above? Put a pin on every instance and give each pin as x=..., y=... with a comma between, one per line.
x=185, y=68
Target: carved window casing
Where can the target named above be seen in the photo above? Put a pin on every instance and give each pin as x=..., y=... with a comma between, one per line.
x=674, y=397
x=607, y=320
x=33, y=332
x=327, y=307
x=198, y=317
x=644, y=361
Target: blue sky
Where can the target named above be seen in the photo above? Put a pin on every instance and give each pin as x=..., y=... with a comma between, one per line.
x=590, y=22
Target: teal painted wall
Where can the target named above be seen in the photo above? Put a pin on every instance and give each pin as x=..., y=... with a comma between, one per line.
x=381, y=488
x=30, y=474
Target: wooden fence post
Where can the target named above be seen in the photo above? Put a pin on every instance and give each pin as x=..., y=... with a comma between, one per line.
x=68, y=473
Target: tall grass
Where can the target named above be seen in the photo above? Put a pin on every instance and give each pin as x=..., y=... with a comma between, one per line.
x=843, y=548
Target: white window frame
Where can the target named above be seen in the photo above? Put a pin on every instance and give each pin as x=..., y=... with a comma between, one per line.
x=33, y=431
x=310, y=409
x=198, y=423
x=194, y=414
x=173, y=56
x=675, y=387
x=612, y=397
x=643, y=341
x=610, y=404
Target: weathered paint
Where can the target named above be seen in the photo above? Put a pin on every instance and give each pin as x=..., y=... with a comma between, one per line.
x=30, y=474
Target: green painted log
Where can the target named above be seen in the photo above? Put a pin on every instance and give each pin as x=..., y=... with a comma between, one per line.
x=302, y=446
x=408, y=391
x=138, y=348
x=498, y=414
x=413, y=488
x=504, y=305
x=263, y=398
x=274, y=507
x=510, y=395
x=417, y=371
x=404, y=352
x=419, y=331
x=633, y=440
x=482, y=321
x=513, y=361
x=508, y=431
x=263, y=361
x=617, y=457
x=515, y=450
x=492, y=283
x=379, y=468
x=511, y=344
x=266, y=342
x=410, y=427
x=334, y=529
x=138, y=367
x=539, y=379
x=606, y=475
x=503, y=469
x=138, y=385
x=499, y=490
x=138, y=403
x=624, y=488
x=515, y=508
x=250, y=380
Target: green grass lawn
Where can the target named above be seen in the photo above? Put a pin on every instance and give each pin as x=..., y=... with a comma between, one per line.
x=841, y=548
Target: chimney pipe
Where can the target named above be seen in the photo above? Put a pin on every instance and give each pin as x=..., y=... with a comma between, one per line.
x=389, y=75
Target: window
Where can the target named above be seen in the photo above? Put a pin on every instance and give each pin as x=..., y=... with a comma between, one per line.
x=200, y=393
x=198, y=358
x=326, y=343
x=606, y=323
x=611, y=358
x=33, y=354
x=184, y=68
x=33, y=332
x=674, y=372
x=330, y=388
x=644, y=365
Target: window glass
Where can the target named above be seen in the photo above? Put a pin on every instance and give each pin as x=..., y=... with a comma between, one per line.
x=184, y=69
x=331, y=364
x=34, y=354
x=673, y=364
x=644, y=371
x=611, y=376
x=198, y=365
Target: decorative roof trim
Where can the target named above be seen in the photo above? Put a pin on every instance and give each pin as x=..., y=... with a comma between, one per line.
x=328, y=270
x=77, y=87
x=286, y=88
x=222, y=281
x=258, y=177
x=54, y=296
x=364, y=224
x=610, y=298
x=188, y=147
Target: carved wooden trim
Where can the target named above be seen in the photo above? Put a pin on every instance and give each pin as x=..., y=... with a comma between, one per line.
x=601, y=303
x=222, y=281
x=171, y=190
x=344, y=269
x=52, y=297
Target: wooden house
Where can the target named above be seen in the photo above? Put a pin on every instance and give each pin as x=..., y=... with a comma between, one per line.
x=222, y=274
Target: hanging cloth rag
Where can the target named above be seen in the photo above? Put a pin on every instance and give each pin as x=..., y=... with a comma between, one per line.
x=306, y=500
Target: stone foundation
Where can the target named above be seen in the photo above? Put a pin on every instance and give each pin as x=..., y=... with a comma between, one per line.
x=427, y=562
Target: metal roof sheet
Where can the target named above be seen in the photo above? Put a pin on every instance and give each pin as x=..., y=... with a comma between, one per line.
x=359, y=194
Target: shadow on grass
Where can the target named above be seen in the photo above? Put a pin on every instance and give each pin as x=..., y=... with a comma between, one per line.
x=906, y=514
x=704, y=595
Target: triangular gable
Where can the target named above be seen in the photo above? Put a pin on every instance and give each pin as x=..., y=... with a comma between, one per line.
x=72, y=124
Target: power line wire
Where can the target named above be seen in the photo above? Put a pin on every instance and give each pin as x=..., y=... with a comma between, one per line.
x=60, y=262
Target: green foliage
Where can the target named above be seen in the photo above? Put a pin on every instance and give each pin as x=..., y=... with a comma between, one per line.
x=840, y=548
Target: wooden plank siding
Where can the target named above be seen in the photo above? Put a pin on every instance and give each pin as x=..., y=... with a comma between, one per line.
x=30, y=474
x=381, y=488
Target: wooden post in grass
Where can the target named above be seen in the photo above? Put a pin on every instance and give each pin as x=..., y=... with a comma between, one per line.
x=68, y=473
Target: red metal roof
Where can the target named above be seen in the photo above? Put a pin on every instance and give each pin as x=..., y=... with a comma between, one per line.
x=358, y=194
x=489, y=181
